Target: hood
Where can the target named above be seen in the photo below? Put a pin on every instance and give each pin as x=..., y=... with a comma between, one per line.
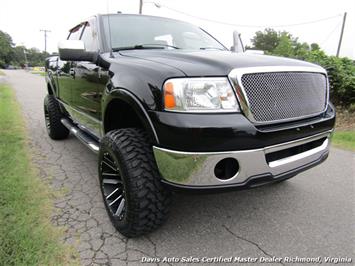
x=210, y=63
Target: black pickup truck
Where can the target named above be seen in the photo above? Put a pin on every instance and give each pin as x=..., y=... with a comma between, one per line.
x=166, y=106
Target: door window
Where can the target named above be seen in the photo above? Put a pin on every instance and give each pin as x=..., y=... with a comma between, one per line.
x=89, y=37
x=75, y=33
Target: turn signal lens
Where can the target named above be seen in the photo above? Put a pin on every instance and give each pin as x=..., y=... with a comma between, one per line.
x=169, y=98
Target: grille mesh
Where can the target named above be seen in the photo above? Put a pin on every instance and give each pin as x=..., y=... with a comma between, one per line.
x=285, y=95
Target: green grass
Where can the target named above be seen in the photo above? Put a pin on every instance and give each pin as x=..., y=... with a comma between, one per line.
x=344, y=139
x=27, y=236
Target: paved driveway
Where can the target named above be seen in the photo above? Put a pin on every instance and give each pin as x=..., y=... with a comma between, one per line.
x=310, y=215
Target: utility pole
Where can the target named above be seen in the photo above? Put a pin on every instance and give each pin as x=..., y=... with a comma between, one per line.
x=24, y=53
x=45, y=39
x=140, y=6
x=341, y=34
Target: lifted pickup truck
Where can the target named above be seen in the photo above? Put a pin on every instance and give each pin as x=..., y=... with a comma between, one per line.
x=166, y=106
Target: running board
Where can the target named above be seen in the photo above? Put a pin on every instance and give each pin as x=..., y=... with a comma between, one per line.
x=81, y=135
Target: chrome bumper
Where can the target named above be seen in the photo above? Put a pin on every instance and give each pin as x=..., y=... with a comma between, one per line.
x=198, y=168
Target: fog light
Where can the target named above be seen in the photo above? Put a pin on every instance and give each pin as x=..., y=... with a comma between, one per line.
x=226, y=168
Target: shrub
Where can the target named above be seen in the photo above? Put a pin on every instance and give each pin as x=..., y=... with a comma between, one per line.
x=341, y=72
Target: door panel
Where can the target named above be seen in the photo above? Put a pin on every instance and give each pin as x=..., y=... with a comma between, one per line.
x=64, y=78
x=88, y=84
x=87, y=88
x=65, y=73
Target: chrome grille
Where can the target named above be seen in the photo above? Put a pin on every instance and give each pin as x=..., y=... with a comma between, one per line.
x=274, y=96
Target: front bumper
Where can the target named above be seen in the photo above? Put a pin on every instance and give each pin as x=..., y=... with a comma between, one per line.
x=196, y=170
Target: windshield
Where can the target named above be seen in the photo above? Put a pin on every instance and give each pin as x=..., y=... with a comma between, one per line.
x=146, y=32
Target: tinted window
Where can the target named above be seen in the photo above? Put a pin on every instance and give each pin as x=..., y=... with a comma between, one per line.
x=75, y=33
x=131, y=30
x=89, y=38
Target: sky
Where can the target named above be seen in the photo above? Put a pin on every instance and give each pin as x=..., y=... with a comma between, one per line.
x=23, y=20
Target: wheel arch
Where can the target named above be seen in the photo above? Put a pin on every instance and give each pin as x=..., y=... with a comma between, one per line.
x=49, y=89
x=124, y=110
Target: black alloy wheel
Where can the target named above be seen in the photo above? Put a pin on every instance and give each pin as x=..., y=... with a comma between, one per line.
x=112, y=186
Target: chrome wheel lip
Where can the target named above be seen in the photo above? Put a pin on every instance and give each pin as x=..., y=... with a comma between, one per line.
x=112, y=185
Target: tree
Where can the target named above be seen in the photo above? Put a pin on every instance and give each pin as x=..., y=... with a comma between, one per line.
x=301, y=50
x=19, y=56
x=285, y=45
x=10, y=55
x=35, y=57
x=267, y=40
x=6, y=50
x=315, y=47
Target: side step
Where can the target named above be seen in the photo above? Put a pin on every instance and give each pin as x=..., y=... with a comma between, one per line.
x=91, y=143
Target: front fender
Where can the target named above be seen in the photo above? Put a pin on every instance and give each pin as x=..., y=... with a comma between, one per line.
x=133, y=101
x=138, y=82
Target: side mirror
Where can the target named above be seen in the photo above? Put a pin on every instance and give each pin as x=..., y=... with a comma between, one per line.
x=238, y=46
x=74, y=50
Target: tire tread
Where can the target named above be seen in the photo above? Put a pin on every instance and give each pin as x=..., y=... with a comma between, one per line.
x=57, y=130
x=149, y=200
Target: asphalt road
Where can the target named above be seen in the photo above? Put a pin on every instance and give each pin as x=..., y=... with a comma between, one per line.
x=310, y=215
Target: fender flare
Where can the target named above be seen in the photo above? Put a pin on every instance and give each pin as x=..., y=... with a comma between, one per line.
x=134, y=102
x=51, y=86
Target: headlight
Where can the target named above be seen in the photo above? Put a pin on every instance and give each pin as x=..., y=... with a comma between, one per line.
x=199, y=95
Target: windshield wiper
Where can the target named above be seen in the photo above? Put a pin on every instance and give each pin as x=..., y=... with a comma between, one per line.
x=212, y=48
x=144, y=46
